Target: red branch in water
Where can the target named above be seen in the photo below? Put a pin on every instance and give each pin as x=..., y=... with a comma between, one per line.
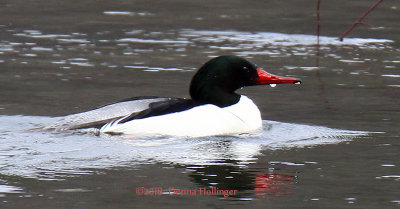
x=317, y=73
x=318, y=29
x=359, y=21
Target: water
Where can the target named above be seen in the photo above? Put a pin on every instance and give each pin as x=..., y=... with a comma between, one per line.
x=32, y=152
x=331, y=142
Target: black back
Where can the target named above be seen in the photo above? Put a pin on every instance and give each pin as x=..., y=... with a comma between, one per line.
x=164, y=107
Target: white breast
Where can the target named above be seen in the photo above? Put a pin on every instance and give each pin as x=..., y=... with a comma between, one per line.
x=204, y=120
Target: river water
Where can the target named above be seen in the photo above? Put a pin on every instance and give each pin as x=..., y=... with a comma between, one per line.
x=331, y=142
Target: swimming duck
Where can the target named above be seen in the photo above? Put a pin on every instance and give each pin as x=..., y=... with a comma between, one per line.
x=214, y=107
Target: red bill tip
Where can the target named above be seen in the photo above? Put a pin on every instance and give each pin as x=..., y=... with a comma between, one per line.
x=265, y=78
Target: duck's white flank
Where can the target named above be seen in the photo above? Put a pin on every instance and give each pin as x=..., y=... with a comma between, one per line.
x=204, y=120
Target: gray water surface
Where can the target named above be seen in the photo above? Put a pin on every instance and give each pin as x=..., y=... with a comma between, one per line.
x=332, y=142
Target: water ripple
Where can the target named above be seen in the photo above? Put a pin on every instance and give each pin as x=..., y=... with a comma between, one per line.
x=51, y=48
x=27, y=151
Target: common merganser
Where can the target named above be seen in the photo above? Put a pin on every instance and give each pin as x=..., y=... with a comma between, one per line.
x=214, y=107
